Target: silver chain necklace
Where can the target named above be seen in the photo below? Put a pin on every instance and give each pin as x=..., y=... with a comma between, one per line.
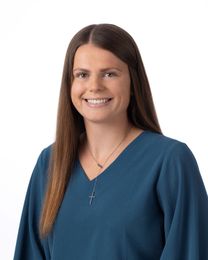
x=92, y=196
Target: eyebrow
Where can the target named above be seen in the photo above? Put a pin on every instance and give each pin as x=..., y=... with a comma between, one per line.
x=102, y=70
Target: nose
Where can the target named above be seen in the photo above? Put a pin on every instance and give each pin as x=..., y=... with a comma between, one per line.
x=95, y=84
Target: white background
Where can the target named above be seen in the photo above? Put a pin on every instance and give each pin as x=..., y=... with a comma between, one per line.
x=34, y=35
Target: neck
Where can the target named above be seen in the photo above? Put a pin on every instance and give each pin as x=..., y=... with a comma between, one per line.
x=102, y=138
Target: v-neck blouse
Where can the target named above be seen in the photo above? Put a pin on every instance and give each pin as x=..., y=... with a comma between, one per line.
x=150, y=204
x=118, y=159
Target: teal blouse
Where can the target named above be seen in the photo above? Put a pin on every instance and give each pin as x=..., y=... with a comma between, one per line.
x=149, y=204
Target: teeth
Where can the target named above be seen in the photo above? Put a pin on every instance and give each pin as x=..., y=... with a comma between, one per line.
x=98, y=101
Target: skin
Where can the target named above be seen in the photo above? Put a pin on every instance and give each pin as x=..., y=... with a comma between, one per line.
x=98, y=73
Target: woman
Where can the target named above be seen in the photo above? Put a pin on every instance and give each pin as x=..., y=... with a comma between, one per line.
x=112, y=186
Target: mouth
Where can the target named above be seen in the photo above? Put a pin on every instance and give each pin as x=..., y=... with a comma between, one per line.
x=95, y=101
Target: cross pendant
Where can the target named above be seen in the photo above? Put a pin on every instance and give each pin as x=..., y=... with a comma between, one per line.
x=92, y=196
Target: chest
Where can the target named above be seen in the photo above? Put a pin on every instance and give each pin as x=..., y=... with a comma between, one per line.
x=90, y=167
x=124, y=211
x=93, y=167
x=124, y=196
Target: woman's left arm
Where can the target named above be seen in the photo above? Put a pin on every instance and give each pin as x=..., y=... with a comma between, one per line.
x=184, y=202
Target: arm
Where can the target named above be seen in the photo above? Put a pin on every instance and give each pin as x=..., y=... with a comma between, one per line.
x=28, y=245
x=183, y=200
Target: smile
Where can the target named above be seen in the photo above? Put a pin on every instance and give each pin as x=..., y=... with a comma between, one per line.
x=98, y=102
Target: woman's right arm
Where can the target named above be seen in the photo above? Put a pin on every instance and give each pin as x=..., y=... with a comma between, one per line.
x=28, y=245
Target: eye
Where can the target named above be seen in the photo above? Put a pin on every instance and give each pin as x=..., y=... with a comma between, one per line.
x=81, y=75
x=110, y=74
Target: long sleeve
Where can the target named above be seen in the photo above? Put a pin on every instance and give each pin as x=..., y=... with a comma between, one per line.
x=184, y=203
x=28, y=244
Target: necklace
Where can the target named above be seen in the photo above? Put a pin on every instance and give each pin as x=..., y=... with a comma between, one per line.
x=92, y=196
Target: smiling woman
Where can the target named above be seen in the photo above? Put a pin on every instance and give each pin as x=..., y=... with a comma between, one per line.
x=112, y=186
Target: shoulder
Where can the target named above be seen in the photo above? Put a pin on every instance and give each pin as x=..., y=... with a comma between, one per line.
x=40, y=172
x=165, y=149
x=44, y=156
x=175, y=158
x=165, y=144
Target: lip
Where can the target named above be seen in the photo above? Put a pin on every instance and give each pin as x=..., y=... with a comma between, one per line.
x=98, y=98
x=94, y=105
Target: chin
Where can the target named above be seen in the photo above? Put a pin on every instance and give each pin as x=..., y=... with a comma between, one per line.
x=97, y=120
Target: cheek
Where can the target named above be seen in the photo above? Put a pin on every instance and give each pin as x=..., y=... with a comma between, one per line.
x=76, y=91
x=125, y=90
x=125, y=96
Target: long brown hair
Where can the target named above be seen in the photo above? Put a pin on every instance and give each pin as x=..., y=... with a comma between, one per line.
x=141, y=110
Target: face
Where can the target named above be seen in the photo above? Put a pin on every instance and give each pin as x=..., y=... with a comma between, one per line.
x=100, y=89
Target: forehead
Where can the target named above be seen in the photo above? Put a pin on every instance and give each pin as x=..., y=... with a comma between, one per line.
x=91, y=56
